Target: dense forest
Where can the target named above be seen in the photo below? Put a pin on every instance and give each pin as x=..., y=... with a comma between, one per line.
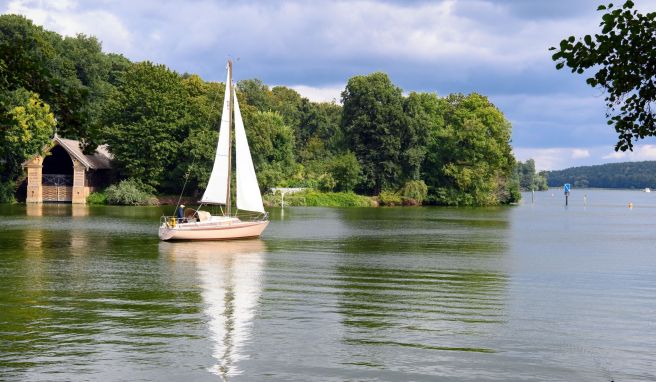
x=610, y=175
x=161, y=126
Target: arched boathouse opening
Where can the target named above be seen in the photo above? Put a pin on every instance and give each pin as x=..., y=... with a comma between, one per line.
x=57, y=176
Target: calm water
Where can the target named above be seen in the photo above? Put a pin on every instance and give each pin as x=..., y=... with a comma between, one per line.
x=526, y=293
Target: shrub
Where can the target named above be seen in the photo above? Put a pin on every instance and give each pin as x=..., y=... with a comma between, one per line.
x=389, y=198
x=415, y=189
x=7, y=191
x=130, y=192
x=326, y=183
x=336, y=199
x=97, y=198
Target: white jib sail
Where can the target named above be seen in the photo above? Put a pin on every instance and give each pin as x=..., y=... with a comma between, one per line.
x=217, y=186
x=248, y=191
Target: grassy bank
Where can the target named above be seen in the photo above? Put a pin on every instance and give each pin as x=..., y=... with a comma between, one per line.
x=313, y=198
x=124, y=195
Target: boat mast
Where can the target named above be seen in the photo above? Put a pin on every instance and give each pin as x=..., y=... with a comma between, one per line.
x=228, y=201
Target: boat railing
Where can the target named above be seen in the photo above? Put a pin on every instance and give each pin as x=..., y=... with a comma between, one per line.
x=252, y=216
x=169, y=221
x=173, y=221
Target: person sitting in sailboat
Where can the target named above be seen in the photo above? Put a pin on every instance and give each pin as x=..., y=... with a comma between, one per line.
x=179, y=213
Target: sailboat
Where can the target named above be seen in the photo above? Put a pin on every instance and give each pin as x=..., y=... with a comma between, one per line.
x=252, y=219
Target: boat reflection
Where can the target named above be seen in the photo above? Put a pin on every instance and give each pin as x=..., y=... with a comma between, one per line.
x=230, y=276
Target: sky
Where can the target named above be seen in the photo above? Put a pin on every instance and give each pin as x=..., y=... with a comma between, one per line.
x=498, y=48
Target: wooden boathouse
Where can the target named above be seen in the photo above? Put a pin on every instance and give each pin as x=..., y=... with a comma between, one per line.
x=65, y=174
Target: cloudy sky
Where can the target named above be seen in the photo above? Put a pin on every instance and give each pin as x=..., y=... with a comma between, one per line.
x=495, y=47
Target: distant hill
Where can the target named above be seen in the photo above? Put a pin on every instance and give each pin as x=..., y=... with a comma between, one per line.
x=610, y=175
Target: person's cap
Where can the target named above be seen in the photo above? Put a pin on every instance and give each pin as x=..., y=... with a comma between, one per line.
x=182, y=205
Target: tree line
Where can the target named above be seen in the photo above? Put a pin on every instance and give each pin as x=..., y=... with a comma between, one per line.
x=611, y=175
x=161, y=126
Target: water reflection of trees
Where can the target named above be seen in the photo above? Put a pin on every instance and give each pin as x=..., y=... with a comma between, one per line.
x=230, y=276
x=45, y=282
x=385, y=308
x=437, y=284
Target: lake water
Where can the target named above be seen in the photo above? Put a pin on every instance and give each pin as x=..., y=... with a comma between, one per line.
x=535, y=292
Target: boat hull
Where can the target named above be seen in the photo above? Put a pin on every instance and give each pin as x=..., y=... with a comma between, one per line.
x=219, y=231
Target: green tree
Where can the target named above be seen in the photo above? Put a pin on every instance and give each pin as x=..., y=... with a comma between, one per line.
x=255, y=93
x=90, y=88
x=70, y=74
x=26, y=127
x=526, y=174
x=373, y=119
x=345, y=170
x=271, y=143
x=624, y=58
x=319, y=134
x=540, y=183
x=528, y=178
x=287, y=102
x=415, y=190
x=27, y=55
x=146, y=119
x=423, y=116
x=470, y=160
x=196, y=155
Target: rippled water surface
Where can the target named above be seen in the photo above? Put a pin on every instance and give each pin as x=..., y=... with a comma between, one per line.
x=535, y=292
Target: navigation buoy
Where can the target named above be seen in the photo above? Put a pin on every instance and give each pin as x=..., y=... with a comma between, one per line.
x=630, y=205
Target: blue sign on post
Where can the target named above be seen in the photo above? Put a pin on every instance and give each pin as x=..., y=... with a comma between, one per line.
x=567, y=187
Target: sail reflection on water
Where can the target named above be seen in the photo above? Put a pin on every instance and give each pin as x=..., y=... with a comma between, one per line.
x=230, y=275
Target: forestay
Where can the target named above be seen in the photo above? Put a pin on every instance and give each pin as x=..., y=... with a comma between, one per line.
x=248, y=192
x=217, y=186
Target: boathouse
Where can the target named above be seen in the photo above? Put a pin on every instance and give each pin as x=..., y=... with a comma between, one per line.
x=65, y=174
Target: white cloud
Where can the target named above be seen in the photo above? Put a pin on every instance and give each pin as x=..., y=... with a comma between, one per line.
x=580, y=153
x=320, y=94
x=639, y=153
x=557, y=158
x=64, y=17
x=427, y=32
x=545, y=158
x=615, y=155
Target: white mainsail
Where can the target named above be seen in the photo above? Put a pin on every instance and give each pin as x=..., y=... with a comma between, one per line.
x=248, y=191
x=229, y=226
x=217, y=186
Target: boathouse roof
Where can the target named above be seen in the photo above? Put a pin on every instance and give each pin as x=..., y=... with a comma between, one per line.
x=99, y=160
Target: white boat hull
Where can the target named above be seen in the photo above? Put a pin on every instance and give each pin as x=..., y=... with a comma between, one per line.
x=213, y=230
